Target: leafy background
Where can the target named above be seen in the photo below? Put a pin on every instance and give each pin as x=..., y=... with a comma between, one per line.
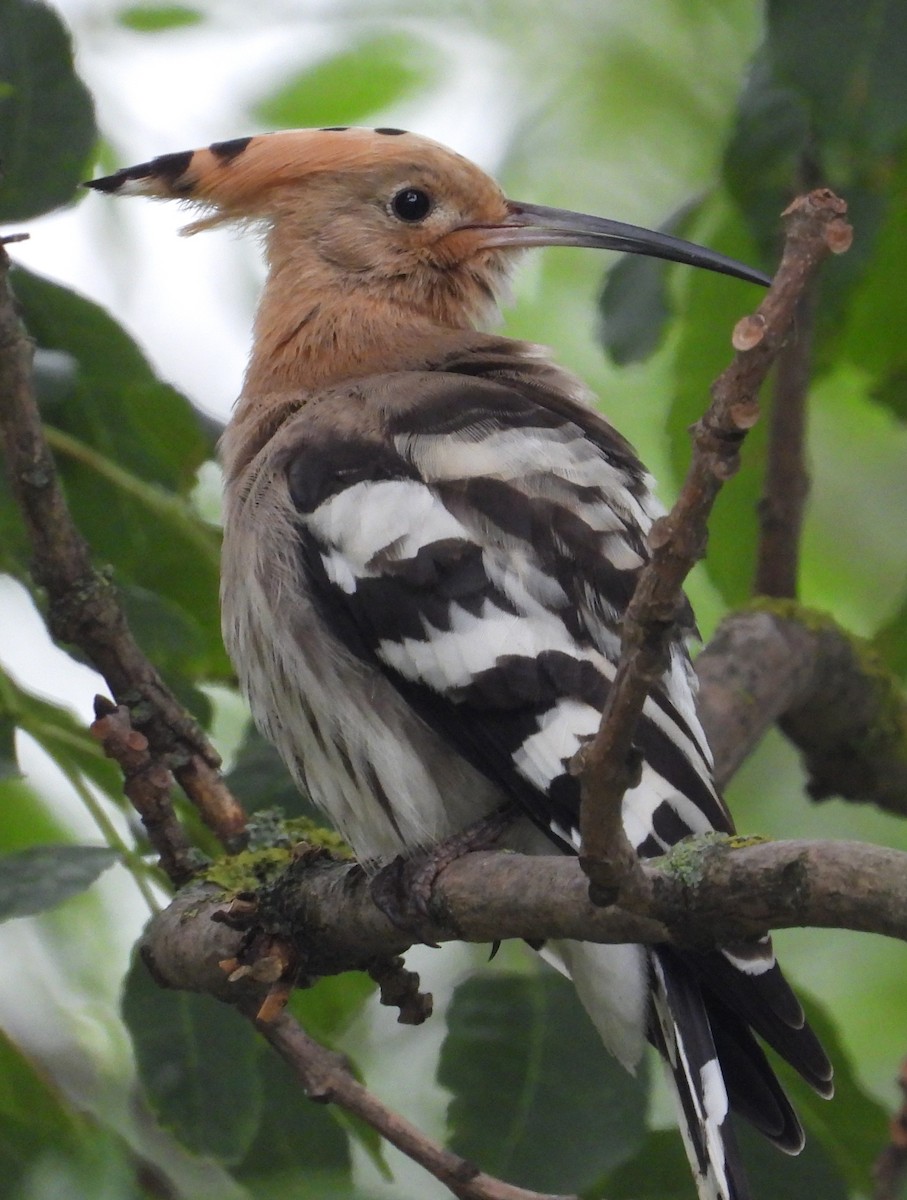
x=679, y=111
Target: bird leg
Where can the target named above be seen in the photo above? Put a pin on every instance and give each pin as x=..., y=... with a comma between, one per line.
x=403, y=888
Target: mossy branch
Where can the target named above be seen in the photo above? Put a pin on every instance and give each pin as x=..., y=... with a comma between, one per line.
x=779, y=662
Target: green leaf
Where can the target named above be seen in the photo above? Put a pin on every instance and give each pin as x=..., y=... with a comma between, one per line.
x=890, y=641
x=173, y=641
x=850, y=63
x=26, y=818
x=634, y=304
x=634, y=307
x=349, y=87
x=128, y=448
x=871, y=337
x=47, y=128
x=764, y=158
x=157, y=18
x=199, y=1064
x=42, y=877
x=813, y=1172
x=33, y=1118
x=536, y=1098
x=826, y=103
x=660, y=1171
x=326, y=1009
x=49, y=1150
x=9, y=767
x=854, y=556
x=294, y=1134
x=106, y=393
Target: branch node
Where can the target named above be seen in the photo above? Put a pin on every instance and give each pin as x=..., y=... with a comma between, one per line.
x=839, y=237
x=748, y=332
x=745, y=414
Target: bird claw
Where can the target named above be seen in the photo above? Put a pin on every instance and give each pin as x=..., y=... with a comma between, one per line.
x=403, y=888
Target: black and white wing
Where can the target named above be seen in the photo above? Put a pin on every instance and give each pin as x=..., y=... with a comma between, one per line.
x=477, y=544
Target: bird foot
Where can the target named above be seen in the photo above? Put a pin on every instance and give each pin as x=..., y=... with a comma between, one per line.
x=403, y=888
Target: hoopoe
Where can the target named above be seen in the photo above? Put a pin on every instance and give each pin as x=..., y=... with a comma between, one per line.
x=430, y=538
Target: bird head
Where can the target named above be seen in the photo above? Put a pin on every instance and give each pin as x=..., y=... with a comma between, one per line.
x=382, y=210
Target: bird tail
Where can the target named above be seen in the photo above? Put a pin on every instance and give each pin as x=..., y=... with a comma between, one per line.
x=681, y=1031
x=629, y=992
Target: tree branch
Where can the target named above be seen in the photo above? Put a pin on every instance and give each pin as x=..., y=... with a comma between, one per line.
x=83, y=609
x=701, y=894
x=706, y=892
x=827, y=691
x=786, y=484
x=815, y=227
x=147, y=785
x=326, y=1077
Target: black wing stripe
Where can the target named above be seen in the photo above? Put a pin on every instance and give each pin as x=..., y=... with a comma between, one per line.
x=315, y=473
x=410, y=595
x=668, y=826
x=667, y=758
x=482, y=406
x=753, y=1090
x=763, y=1001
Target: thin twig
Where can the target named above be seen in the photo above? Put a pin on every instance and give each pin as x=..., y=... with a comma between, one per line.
x=786, y=485
x=326, y=1077
x=815, y=227
x=83, y=609
x=148, y=784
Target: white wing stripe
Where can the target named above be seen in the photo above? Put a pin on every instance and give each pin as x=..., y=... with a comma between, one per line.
x=368, y=517
x=450, y=659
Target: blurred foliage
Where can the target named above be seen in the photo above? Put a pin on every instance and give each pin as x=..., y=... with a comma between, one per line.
x=197, y=1061
x=43, y=876
x=158, y=18
x=525, y=1068
x=722, y=112
x=129, y=447
x=371, y=76
x=47, y=128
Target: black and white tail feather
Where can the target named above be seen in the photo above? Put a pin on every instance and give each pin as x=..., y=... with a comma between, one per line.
x=680, y=1030
x=452, y=573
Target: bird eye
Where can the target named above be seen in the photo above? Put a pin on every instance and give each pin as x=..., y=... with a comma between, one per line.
x=411, y=204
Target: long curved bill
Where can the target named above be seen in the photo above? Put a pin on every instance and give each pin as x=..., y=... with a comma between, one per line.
x=536, y=225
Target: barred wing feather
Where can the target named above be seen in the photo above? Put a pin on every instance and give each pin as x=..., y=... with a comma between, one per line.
x=479, y=550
